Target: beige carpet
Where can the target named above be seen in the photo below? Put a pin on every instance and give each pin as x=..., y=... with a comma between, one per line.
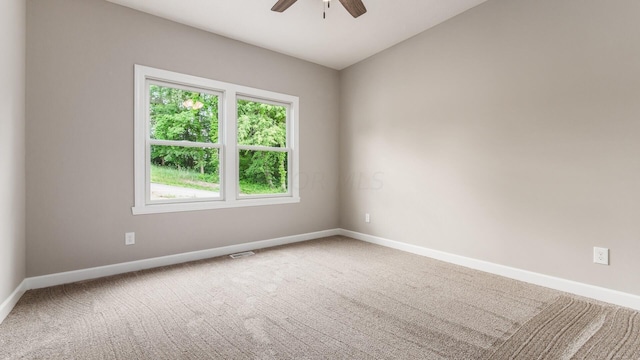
x=333, y=298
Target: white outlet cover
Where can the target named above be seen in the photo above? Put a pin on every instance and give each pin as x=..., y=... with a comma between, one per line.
x=130, y=238
x=601, y=255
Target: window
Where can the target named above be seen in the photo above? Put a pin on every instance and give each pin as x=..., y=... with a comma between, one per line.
x=262, y=147
x=184, y=147
x=204, y=144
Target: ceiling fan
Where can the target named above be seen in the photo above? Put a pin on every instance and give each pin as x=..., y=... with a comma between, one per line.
x=354, y=7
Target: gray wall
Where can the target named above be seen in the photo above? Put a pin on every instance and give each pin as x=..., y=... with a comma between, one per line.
x=507, y=134
x=81, y=56
x=12, y=117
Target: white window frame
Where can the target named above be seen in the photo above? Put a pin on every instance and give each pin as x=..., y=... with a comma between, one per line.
x=228, y=94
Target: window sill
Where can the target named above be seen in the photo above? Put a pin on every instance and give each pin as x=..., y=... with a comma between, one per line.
x=210, y=205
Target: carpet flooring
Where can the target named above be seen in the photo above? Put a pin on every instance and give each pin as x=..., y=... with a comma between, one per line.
x=332, y=298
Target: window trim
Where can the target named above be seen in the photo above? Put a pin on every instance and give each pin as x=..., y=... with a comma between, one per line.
x=227, y=143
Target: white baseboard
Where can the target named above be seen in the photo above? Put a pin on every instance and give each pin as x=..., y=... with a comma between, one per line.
x=38, y=282
x=108, y=270
x=12, y=300
x=569, y=286
x=594, y=292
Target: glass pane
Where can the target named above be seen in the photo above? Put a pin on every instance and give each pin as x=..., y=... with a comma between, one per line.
x=183, y=115
x=263, y=172
x=262, y=124
x=184, y=173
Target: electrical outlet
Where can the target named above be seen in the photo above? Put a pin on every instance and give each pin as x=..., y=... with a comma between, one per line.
x=129, y=238
x=367, y=218
x=601, y=255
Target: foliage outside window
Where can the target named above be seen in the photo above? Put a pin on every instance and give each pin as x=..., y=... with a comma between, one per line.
x=204, y=144
x=191, y=169
x=262, y=140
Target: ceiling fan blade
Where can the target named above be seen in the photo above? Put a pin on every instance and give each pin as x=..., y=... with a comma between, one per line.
x=354, y=7
x=282, y=5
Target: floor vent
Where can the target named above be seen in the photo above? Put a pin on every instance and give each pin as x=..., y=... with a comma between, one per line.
x=242, y=254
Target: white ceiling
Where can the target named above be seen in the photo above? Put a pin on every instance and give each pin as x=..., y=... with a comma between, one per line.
x=336, y=42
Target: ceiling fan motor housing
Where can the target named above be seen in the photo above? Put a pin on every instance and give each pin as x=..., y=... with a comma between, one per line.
x=354, y=7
